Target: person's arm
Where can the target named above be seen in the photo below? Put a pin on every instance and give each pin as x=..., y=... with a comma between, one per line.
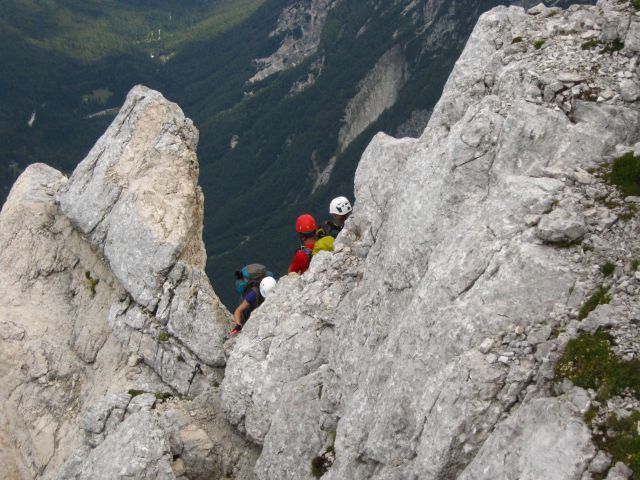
x=237, y=315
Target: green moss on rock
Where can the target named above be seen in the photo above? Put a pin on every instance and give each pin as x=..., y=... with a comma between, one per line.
x=621, y=440
x=607, y=269
x=589, y=362
x=590, y=44
x=599, y=297
x=91, y=283
x=625, y=174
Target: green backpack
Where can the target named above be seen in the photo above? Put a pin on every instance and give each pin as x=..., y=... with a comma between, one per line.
x=250, y=276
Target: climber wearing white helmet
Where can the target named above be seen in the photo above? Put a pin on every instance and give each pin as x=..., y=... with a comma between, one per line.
x=340, y=209
x=340, y=206
x=253, y=287
x=266, y=285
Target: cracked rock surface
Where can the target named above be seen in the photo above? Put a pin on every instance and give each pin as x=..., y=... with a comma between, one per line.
x=111, y=335
x=426, y=343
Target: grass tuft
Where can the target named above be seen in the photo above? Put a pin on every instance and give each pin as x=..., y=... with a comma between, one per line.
x=608, y=47
x=590, y=44
x=621, y=440
x=599, y=297
x=607, y=269
x=613, y=46
x=538, y=44
x=319, y=466
x=91, y=283
x=629, y=213
x=589, y=362
x=322, y=463
x=625, y=174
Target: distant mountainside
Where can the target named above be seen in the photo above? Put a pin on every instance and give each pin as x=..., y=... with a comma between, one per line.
x=286, y=95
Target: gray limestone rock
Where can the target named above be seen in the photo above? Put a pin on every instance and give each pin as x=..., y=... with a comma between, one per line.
x=561, y=225
x=139, y=182
x=372, y=360
x=377, y=92
x=604, y=316
x=519, y=446
x=70, y=317
x=137, y=449
x=301, y=25
x=104, y=417
x=619, y=472
x=632, y=40
x=144, y=401
x=600, y=463
x=630, y=90
x=136, y=197
x=435, y=259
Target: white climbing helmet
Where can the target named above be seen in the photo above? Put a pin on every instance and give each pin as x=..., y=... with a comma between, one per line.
x=340, y=206
x=266, y=285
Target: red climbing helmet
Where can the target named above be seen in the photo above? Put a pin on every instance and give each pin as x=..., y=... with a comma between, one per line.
x=306, y=223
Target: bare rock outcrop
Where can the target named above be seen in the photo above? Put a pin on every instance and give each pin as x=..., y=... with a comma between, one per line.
x=423, y=345
x=377, y=92
x=111, y=345
x=300, y=25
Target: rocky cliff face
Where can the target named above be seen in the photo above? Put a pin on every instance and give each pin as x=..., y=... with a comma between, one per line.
x=109, y=323
x=424, y=347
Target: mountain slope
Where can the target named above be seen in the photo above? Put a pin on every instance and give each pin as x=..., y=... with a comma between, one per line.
x=291, y=155
x=430, y=344
x=338, y=72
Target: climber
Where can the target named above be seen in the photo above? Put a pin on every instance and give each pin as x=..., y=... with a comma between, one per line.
x=306, y=227
x=340, y=209
x=253, y=292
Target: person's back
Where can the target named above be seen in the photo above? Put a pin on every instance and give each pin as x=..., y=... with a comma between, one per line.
x=248, y=282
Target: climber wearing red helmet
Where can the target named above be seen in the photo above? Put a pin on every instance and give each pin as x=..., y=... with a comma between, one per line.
x=306, y=227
